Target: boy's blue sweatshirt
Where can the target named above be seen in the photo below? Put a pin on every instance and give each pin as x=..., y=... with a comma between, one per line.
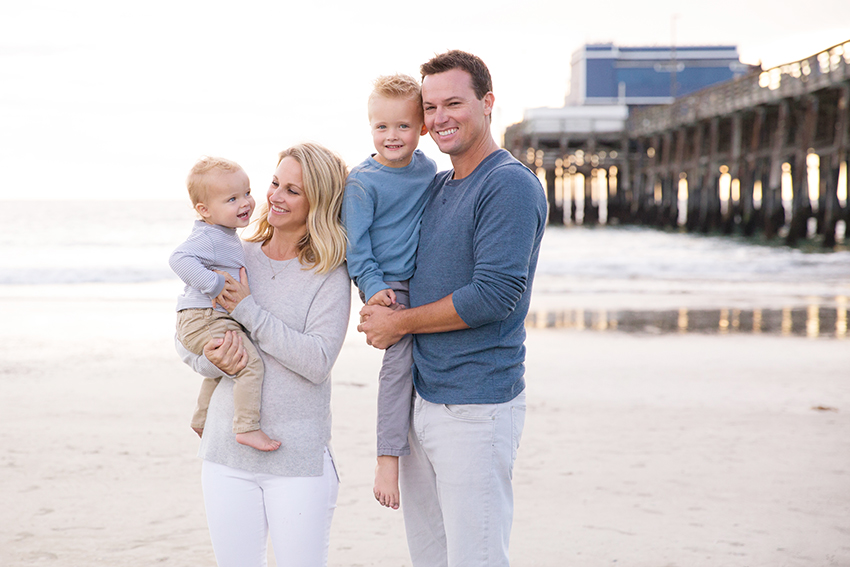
x=381, y=210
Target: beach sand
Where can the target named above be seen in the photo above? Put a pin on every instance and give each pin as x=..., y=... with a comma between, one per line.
x=655, y=450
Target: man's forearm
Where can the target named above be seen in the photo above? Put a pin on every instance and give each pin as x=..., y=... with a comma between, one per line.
x=384, y=327
x=437, y=317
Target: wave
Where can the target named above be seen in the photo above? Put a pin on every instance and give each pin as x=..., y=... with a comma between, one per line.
x=129, y=242
x=640, y=253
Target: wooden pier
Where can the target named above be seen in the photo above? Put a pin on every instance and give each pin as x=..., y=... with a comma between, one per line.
x=765, y=153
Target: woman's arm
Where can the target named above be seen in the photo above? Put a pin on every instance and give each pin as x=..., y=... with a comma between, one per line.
x=311, y=353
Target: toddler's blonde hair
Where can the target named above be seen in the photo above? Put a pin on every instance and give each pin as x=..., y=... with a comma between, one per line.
x=198, y=180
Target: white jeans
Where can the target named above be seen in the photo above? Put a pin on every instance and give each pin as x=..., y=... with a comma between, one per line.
x=456, y=488
x=243, y=508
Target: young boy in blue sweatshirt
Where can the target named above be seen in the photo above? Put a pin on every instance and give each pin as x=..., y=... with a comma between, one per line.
x=383, y=203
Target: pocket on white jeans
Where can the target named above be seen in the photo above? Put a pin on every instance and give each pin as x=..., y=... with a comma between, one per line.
x=471, y=412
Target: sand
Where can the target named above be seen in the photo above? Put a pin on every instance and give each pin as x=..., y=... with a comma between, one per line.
x=656, y=450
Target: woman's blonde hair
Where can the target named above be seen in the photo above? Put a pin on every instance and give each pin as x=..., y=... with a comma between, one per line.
x=323, y=173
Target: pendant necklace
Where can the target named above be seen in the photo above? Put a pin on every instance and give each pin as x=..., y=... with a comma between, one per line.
x=275, y=274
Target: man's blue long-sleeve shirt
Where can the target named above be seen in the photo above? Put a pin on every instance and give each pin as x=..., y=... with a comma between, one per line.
x=479, y=240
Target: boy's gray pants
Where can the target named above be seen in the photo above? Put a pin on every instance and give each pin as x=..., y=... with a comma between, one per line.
x=395, y=388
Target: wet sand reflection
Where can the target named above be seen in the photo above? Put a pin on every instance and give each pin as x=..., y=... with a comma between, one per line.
x=813, y=320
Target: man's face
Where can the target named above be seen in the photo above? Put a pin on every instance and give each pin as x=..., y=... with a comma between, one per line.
x=456, y=119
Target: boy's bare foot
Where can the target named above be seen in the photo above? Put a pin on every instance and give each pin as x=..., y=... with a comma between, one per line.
x=386, y=481
x=258, y=440
x=199, y=431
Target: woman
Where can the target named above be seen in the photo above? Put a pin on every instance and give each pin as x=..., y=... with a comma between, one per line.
x=296, y=312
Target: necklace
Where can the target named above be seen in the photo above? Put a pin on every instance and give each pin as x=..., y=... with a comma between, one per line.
x=276, y=273
x=289, y=262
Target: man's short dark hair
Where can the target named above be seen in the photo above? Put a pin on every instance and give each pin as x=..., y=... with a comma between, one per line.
x=455, y=59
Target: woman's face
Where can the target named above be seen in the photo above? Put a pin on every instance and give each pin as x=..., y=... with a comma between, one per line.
x=288, y=206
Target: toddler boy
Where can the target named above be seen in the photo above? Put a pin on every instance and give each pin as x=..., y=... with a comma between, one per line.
x=221, y=195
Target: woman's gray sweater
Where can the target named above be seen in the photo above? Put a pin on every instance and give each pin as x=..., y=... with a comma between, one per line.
x=298, y=322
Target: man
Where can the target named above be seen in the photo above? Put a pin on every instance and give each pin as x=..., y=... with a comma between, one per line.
x=479, y=242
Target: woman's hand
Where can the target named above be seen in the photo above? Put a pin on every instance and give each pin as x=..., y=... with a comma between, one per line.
x=228, y=354
x=234, y=291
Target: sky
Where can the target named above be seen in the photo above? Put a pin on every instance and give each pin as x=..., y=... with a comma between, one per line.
x=116, y=100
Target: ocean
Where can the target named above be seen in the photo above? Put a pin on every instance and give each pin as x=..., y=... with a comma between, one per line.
x=653, y=274
x=79, y=242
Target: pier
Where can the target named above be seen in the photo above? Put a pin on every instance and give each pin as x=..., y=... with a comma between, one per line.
x=765, y=153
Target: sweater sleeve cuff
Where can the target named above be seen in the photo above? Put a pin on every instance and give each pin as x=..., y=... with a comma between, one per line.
x=219, y=285
x=468, y=308
x=374, y=288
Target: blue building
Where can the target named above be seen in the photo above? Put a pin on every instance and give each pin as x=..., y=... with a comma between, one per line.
x=607, y=74
x=585, y=141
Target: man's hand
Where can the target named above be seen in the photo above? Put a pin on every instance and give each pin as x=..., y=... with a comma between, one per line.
x=385, y=326
x=380, y=325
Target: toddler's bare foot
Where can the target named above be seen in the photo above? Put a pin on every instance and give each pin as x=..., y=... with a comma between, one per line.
x=199, y=431
x=258, y=440
x=386, y=481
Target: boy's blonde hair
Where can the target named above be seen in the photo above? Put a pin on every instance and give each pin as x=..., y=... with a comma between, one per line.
x=198, y=180
x=398, y=86
x=323, y=173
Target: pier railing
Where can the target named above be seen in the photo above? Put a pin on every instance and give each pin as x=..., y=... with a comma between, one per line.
x=822, y=70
